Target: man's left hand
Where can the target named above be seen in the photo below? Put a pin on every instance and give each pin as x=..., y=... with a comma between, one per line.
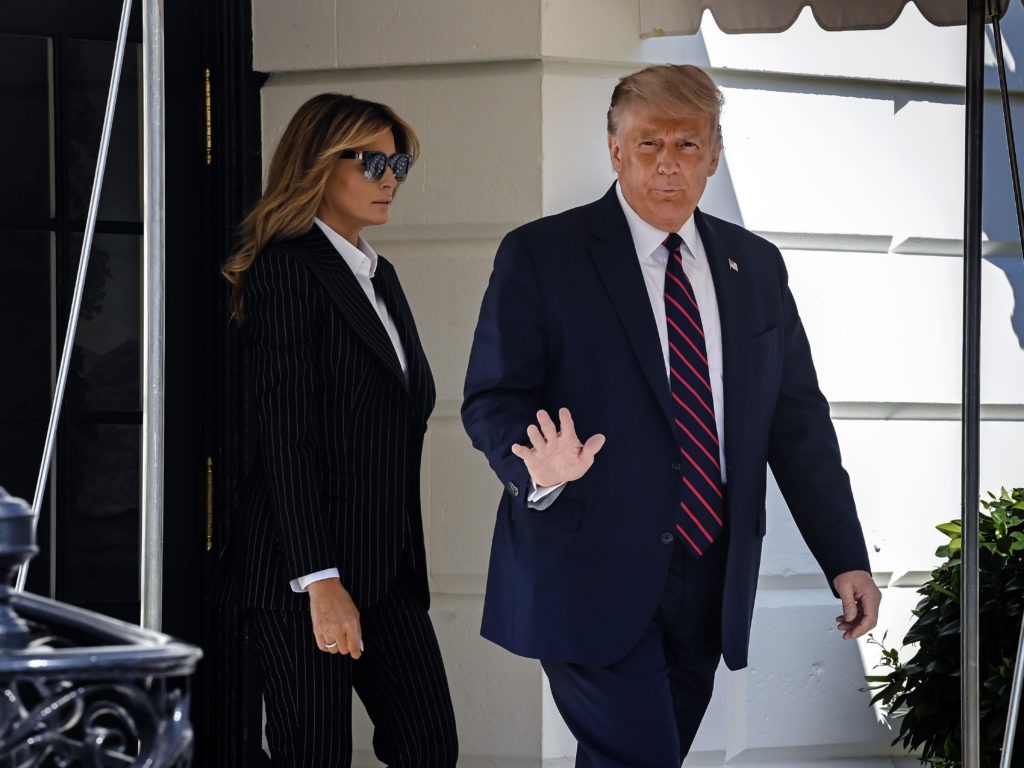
x=861, y=598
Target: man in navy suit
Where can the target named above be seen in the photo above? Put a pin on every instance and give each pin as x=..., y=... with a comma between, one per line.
x=627, y=562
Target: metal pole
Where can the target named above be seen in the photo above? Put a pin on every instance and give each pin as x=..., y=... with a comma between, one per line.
x=969, y=673
x=83, y=266
x=151, y=564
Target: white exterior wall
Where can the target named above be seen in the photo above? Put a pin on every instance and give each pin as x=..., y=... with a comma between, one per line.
x=845, y=149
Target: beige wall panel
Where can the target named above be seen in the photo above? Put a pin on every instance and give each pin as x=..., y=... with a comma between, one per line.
x=464, y=497
x=444, y=281
x=308, y=35
x=395, y=32
x=298, y=34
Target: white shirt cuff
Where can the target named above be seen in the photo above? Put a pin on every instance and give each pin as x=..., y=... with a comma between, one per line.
x=302, y=583
x=542, y=498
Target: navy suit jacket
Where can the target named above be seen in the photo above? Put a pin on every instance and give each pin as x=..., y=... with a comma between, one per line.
x=566, y=321
x=335, y=478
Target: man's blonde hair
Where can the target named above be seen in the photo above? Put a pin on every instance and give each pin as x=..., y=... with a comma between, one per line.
x=677, y=90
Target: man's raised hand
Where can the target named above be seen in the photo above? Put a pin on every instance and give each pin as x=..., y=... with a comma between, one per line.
x=557, y=455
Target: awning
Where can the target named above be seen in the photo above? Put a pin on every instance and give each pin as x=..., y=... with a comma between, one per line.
x=683, y=17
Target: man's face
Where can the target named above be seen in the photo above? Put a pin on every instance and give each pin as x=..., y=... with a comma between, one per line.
x=663, y=164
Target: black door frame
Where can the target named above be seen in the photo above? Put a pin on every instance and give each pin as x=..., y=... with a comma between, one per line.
x=229, y=731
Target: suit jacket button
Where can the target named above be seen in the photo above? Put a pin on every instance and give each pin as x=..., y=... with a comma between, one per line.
x=676, y=466
x=513, y=488
x=667, y=538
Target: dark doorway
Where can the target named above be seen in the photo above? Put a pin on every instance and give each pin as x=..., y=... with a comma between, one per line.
x=55, y=65
x=56, y=69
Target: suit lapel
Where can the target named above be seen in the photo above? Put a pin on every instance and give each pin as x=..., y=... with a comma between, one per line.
x=615, y=257
x=421, y=381
x=726, y=266
x=348, y=296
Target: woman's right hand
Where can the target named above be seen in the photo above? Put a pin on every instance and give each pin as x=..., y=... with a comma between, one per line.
x=335, y=618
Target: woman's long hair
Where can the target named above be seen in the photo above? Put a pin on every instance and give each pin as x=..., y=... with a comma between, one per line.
x=302, y=162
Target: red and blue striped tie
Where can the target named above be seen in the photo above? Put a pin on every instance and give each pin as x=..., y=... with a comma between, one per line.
x=693, y=410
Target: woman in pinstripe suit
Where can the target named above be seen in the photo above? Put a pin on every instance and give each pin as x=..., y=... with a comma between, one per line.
x=328, y=554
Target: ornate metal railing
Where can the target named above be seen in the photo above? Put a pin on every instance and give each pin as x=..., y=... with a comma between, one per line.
x=81, y=689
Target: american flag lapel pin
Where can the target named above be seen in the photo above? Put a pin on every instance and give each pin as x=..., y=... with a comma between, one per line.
x=734, y=266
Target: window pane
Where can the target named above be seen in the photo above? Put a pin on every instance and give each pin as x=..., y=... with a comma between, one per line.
x=25, y=343
x=25, y=128
x=88, y=66
x=105, y=373
x=98, y=529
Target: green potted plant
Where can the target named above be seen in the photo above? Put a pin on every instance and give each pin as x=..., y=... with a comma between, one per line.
x=922, y=689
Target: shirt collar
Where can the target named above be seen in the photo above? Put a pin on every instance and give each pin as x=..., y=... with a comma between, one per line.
x=647, y=238
x=361, y=258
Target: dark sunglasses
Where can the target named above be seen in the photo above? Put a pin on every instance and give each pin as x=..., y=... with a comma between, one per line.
x=375, y=162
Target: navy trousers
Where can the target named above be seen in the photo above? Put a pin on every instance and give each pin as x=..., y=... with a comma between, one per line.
x=399, y=678
x=643, y=711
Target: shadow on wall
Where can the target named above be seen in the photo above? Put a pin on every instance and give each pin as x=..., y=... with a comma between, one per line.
x=1000, y=211
x=1012, y=29
x=1013, y=268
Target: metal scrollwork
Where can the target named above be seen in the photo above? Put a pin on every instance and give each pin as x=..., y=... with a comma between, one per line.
x=106, y=706
x=92, y=725
x=81, y=689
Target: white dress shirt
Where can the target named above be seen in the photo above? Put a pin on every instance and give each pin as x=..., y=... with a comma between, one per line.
x=362, y=260
x=653, y=257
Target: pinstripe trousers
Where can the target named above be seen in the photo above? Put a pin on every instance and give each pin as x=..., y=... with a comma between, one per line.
x=400, y=679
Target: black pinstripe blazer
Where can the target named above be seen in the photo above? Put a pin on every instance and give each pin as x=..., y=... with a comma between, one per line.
x=339, y=433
